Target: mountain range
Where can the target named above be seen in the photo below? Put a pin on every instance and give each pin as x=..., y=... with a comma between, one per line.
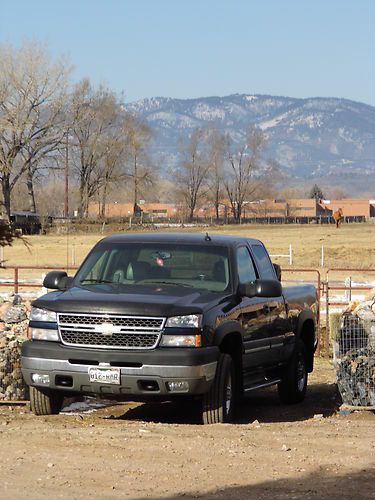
x=327, y=140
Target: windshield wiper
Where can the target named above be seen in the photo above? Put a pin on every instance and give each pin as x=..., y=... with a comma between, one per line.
x=166, y=283
x=89, y=280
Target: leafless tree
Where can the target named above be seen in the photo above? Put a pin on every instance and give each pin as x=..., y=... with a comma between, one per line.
x=243, y=176
x=217, y=145
x=32, y=104
x=94, y=114
x=192, y=175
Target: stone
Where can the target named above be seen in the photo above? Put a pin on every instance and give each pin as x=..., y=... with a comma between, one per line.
x=17, y=300
x=14, y=315
x=3, y=308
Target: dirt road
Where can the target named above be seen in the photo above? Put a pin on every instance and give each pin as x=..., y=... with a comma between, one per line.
x=159, y=451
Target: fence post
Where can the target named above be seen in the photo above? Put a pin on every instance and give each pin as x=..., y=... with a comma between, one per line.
x=73, y=255
x=290, y=254
x=326, y=339
x=16, y=280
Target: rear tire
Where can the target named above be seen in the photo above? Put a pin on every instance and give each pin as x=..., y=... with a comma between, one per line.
x=218, y=403
x=45, y=402
x=292, y=388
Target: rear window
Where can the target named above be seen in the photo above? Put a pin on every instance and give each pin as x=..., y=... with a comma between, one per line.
x=264, y=263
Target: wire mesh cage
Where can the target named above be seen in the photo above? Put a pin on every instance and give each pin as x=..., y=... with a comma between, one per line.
x=354, y=360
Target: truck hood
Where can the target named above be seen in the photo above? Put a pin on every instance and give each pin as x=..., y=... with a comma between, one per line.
x=158, y=300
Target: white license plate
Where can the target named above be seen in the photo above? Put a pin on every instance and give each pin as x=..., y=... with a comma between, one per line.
x=105, y=375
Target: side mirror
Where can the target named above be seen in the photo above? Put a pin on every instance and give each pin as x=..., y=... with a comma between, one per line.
x=57, y=280
x=261, y=288
x=277, y=271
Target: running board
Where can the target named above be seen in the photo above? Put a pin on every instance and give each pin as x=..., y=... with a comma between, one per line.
x=263, y=384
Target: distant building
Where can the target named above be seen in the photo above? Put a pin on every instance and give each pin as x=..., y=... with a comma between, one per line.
x=157, y=210
x=294, y=207
x=350, y=207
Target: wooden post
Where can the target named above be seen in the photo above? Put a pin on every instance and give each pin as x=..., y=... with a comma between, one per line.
x=16, y=280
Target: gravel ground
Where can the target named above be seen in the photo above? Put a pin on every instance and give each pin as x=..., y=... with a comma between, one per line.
x=132, y=450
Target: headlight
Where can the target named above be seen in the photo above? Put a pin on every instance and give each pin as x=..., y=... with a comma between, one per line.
x=181, y=341
x=44, y=334
x=190, y=321
x=42, y=315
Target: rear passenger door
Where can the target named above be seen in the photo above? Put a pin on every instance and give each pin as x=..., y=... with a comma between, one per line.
x=275, y=311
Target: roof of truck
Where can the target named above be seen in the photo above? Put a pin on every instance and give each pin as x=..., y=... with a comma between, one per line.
x=192, y=238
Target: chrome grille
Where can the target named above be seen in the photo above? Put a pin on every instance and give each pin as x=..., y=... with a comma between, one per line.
x=109, y=330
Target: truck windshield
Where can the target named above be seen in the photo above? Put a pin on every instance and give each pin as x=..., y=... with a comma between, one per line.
x=174, y=265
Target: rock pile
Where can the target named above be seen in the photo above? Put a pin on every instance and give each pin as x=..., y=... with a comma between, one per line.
x=355, y=354
x=13, y=332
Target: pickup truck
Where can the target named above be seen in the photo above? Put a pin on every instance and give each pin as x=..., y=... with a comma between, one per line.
x=166, y=316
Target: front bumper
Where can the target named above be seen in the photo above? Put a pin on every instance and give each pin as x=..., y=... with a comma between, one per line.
x=143, y=374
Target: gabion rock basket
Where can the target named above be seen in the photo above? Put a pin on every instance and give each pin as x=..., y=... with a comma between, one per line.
x=354, y=360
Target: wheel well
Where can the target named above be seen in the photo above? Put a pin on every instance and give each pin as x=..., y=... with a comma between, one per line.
x=307, y=336
x=232, y=344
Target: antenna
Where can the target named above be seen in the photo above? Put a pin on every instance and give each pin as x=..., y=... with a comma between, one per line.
x=207, y=237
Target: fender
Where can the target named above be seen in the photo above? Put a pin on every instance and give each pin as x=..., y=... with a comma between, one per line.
x=304, y=316
x=225, y=329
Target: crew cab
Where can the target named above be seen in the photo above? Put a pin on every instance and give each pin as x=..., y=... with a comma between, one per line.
x=171, y=316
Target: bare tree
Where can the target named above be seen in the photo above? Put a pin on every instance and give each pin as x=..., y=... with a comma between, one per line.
x=217, y=145
x=243, y=176
x=94, y=113
x=113, y=162
x=32, y=100
x=192, y=175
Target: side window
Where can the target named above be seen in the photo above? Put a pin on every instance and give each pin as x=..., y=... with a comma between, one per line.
x=245, y=266
x=265, y=266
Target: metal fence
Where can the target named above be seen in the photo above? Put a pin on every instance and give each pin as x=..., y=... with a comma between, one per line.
x=19, y=282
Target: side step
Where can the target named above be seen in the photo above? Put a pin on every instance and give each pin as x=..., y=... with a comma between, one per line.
x=261, y=385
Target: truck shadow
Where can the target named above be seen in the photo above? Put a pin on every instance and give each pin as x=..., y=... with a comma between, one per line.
x=318, y=484
x=264, y=406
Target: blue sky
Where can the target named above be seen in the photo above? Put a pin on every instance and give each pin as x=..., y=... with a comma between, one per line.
x=194, y=48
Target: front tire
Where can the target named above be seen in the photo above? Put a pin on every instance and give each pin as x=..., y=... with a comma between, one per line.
x=218, y=403
x=45, y=402
x=292, y=388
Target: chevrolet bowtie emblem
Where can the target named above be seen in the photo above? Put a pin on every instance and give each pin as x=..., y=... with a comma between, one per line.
x=106, y=329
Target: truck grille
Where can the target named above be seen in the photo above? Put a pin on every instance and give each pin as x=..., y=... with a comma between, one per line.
x=111, y=331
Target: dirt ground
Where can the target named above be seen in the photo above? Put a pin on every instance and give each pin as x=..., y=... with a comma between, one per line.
x=133, y=450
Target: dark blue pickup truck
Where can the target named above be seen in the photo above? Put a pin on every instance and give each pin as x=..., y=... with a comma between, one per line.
x=166, y=316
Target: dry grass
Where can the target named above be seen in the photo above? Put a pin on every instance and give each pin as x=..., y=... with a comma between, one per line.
x=350, y=246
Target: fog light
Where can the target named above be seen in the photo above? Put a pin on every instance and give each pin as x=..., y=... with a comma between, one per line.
x=178, y=386
x=40, y=378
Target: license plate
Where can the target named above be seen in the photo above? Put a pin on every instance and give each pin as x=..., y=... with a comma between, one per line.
x=105, y=375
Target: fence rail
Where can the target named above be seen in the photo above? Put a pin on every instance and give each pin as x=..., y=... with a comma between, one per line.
x=17, y=283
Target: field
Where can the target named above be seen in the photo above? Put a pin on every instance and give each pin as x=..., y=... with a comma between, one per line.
x=350, y=246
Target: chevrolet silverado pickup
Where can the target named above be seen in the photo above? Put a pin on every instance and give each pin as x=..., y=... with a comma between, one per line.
x=166, y=316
